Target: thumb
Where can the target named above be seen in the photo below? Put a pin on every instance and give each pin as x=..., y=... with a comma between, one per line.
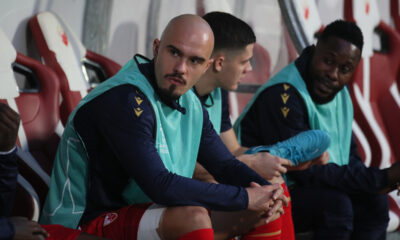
x=286, y=162
x=254, y=184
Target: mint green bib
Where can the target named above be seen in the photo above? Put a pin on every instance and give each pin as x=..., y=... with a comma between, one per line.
x=334, y=117
x=177, y=142
x=215, y=110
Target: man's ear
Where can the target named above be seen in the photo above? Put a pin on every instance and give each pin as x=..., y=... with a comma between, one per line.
x=209, y=63
x=156, y=45
x=218, y=63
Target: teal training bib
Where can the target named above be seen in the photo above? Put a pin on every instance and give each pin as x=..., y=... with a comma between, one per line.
x=215, y=109
x=334, y=117
x=177, y=142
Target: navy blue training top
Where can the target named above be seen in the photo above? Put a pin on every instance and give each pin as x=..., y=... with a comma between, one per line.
x=270, y=119
x=121, y=146
x=8, y=184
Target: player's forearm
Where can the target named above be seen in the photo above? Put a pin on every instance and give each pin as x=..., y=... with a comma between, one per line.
x=230, y=140
x=200, y=173
x=246, y=159
x=238, y=152
x=170, y=189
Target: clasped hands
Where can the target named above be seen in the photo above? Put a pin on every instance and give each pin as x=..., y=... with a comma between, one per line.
x=268, y=200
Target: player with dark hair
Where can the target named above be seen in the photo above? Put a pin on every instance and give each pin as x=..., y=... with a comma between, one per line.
x=233, y=48
x=234, y=42
x=230, y=32
x=339, y=200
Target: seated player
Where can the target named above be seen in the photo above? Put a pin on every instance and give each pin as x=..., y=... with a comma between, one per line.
x=339, y=200
x=20, y=227
x=124, y=164
x=233, y=49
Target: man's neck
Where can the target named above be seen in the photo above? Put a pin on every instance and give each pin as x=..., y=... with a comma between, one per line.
x=206, y=84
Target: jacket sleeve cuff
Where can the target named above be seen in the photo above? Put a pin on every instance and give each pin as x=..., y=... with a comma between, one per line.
x=8, y=152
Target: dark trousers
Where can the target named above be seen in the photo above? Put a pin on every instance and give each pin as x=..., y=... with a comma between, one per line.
x=340, y=202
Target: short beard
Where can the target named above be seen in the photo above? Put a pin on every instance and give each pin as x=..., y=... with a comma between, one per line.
x=323, y=100
x=320, y=100
x=168, y=94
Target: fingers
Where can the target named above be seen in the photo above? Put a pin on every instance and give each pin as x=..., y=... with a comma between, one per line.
x=8, y=115
x=285, y=200
x=281, y=170
x=9, y=124
x=301, y=166
x=275, y=210
x=254, y=184
x=327, y=157
x=269, y=166
x=277, y=205
x=277, y=193
x=272, y=190
x=37, y=229
x=27, y=229
x=40, y=237
x=281, y=163
x=5, y=109
x=322, y=159
x=285, y=162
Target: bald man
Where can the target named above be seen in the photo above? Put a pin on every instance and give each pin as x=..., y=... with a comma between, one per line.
x=124, y=166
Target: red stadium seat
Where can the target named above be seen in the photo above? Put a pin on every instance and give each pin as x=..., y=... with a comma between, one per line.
x=72, y=62
x=395, y=14
x=377, y=114
x=374, y=104
x=32, y=90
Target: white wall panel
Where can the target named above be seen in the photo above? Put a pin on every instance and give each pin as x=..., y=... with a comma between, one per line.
x=127, y=29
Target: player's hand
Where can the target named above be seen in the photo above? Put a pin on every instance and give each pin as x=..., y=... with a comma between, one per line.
x=265, y=164
x=27, y=230
x=276, y=209
x=321, y=160
x=9, y=123
x=275, y=212
x=267, y=199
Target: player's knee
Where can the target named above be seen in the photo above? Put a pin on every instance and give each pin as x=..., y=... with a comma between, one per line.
x=197, y=217
x=186, y=219
x=177, y=221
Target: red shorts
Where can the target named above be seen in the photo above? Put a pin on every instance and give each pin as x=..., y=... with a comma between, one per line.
x=287, y=221
x=59, y=232
x=119, y=224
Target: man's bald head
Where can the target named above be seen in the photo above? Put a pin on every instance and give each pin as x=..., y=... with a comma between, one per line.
x=182, y=54
x=189, y=27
